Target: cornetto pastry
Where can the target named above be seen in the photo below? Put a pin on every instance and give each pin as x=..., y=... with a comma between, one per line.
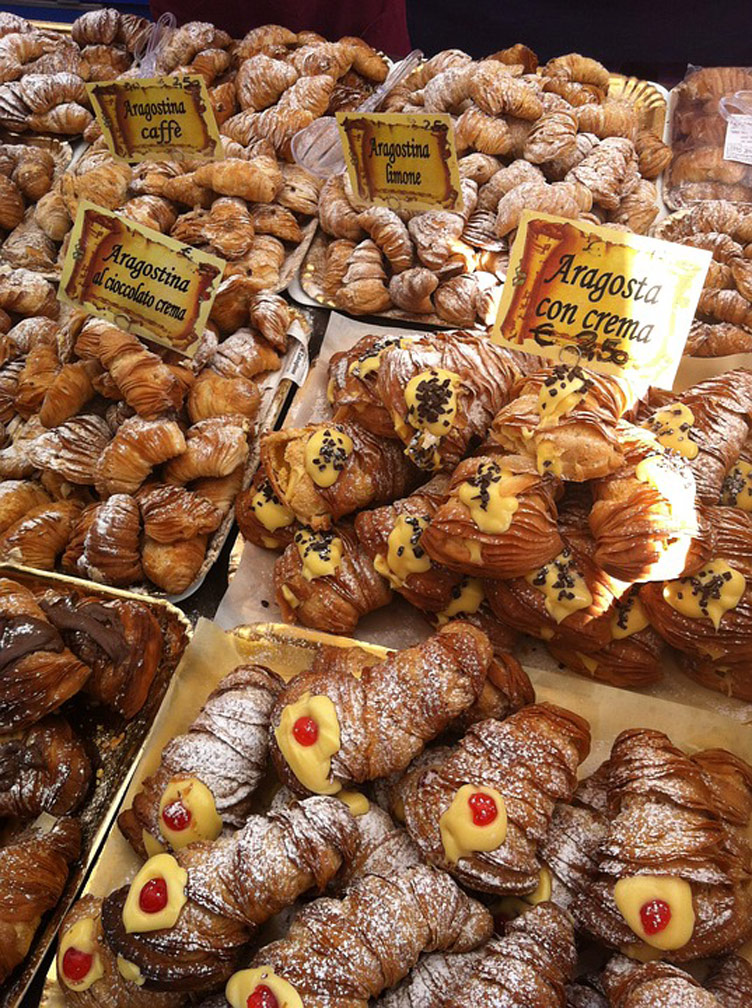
x=326, y=471
x=185, y=919
x=88, y=971
x=46, y=769
x=565, y=419
x=120, y=640
x=392, y=536
x=634, y=655
x=708, y=614
x=480, y=809
x=330, y=729
x=33, y=871
x=261, y=516
x=37, y=672
x=326, y=580
x=708, y=424
x=207, y=775
x=529, y=963
x=346, y=952
x=630, y=984
x=498, y=519
x=653, y=851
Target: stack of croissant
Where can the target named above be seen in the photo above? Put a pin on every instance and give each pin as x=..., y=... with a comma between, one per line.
x=524, y=496
x=431, y=819
x=55, y=644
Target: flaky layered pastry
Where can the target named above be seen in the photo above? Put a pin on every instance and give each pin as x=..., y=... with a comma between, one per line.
x=641, y=985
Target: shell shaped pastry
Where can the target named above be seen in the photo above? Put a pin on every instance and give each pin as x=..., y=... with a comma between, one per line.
x=137, y=447
x=261, y=516
x=173, y=567
x=73, y=449
x=214, y=447
x=171, y=512
x=111, y=551
x=38, y=539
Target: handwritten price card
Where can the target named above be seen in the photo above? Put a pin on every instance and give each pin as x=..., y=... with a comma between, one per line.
x=139, y=279
x=406, y=162
x=619, y=302
x=160, y=119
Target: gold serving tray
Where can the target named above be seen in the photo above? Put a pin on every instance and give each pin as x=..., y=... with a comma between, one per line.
x=116, y=742
x=650, y=100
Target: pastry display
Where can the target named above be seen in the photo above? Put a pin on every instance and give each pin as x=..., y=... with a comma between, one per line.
x=633, y=985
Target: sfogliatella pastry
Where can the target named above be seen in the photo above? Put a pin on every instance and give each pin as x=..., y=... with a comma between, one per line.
x=565, y=419
x=480, y=809
x=185, y=919
x=640, y=985
x=346, y=952
x=499, y=518
x=326, y=580
x=331, y=729
x=653, y=852
x=207, y=775
x=351, y=388
x=262, y=518
x=37, y=672
x=326, y=471
x=33, y=871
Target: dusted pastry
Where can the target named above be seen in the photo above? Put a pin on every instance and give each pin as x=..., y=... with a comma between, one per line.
x=28, y=894
x=109, y=535
x=73, y=449
x=480, y=809
x=38, y=539
x=351, y=389
x=17, y=497
x=641, y=985
x=137, y=447
x=498, y=521
x=261, y=516
x=173, y=567
x=171, y=513
x=207, y=775
x=327, y=581
x=185, y=919
x=331, y=729
x=214, y=447
x=325, y=471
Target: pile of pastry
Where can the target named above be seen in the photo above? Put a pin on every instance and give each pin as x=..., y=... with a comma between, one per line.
x=57, y=643
x=118, y=461
x=524, y=496
x=544, y=138
x=699, y=170
x=723, y=323
x=388, y=869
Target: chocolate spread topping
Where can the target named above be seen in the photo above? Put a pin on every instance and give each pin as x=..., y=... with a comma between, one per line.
x=94, y=619
x=21, y=635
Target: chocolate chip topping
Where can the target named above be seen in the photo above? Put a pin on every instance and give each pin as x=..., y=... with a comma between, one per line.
x=433, y=396
x=332, y=452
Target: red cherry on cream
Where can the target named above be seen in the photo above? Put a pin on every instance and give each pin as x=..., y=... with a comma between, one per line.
x=153, y=895
x=262, y=997
x=483, y=808
x=176, y=816
x=305, y=731
x=655, y=916
x=76, y=964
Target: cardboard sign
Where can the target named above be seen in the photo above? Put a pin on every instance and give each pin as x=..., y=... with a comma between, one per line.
x=139, y=279
x=160, y=119
x=405, y=162
x=617, y=302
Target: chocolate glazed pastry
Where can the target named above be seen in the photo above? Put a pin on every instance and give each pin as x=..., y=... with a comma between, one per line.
x=37, y=671
x=120, y=640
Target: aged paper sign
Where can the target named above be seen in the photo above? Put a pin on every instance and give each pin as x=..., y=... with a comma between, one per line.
x=617, y=302
x=406, y=162
x=159, y=119
x=139, y=279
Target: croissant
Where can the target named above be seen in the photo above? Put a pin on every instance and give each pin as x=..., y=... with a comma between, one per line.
x=331, y=58
x=173, y=567
x=44, y=770
x=261, y=517
x=447, y=90
x=137, y=447
x=300, y=190
x=577, y=437
x=184, y=920
x=564, y=199
x=38, y=672
x=375, y=725
x=325, y=580
x=476, y=130
x=363, y=290
x=654, y=847
x=631, y=984
x=257, y=181
x=365, y=60
x=17, y=498
x=188, y=40
x=443, y=393
x=25, y=293
x=336, y=216
x=38, y=539
x=28, y=895
x=258, y=39
x=498, y=520
x=614, y=119
x=171, y=512
x=504, y=180
x=207, y=776
x=325, y=471
x=384, y=924
x=575, y=67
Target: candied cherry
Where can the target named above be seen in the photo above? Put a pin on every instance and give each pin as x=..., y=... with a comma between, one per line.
x=176, y=816
x=483, y=808
x=262, y=997
x=76, y=964
x=153, y=895
x=655, y=916
x=305, y=731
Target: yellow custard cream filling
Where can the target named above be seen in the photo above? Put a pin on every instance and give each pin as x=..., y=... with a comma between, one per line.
x=490, y=497
x=326, y=453
x=405, y=555
x=709, y=594
x=737, y=487
x=431, y=400
x=187, y=800
x=562, y=585
x=628, y=618
x=241, y=986
x=162, y=866
x=321, y=553
x=464, y=831
x=467, y=598
x=311, y=763
x=269, y=510
x=633, y=895
x=672, y=427
x=561, y=391
x=82, y=937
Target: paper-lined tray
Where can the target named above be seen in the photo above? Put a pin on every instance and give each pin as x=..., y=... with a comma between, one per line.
x=214, y=653
x=115, y=743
